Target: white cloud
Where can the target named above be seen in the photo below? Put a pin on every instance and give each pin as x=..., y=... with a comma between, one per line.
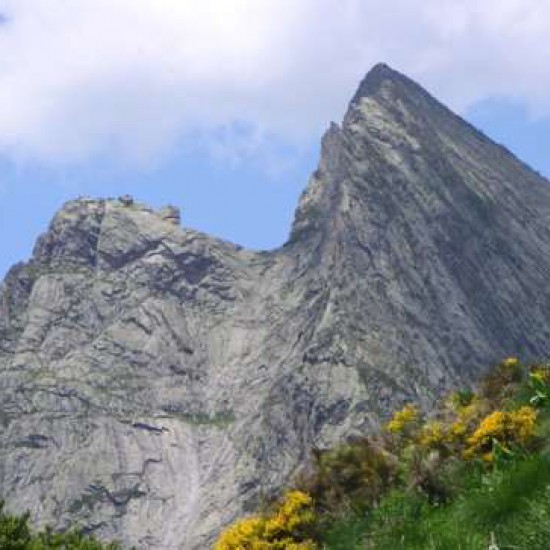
x=132, y=77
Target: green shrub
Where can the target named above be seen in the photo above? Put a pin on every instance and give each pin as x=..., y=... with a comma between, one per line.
x=15, y=534
x=352, y=477
x=503, y=380
x=539, y=385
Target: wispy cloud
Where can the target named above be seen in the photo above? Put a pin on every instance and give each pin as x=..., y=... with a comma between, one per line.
x=131, y=78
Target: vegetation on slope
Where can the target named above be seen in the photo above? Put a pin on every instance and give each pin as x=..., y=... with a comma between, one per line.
x=475, y=473
x=15, y=534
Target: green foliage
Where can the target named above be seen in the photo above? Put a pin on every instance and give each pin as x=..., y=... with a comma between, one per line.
x=462, y=398
x=514, y=504
x=15, y=534
x=347, y=533
x=503, y=380
x=14, y=531
x=352, y=477
x=539, y=385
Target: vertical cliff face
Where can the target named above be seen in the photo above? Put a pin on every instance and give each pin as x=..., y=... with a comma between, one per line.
x=155, y=381
x=434, y=236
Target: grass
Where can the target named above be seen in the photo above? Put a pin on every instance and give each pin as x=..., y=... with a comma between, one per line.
x=512, y=502
x=347, y=533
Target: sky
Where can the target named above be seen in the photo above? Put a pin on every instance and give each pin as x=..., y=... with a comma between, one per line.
x=218, y=107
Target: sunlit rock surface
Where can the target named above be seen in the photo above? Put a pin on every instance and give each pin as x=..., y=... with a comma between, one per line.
x=156, y=382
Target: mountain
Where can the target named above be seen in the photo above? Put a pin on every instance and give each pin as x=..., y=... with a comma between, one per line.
x=156, y=382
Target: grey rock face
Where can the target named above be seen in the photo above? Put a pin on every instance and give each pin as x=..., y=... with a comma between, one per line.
x=156, y=382
x=171, y=214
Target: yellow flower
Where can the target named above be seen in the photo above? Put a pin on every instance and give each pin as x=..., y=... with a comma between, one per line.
x=457, y=431
x=511, y=362
x=516, y=427
x=488, y=457
x=280, y=530
x=241, y=534
x=402, y=419
x=540, y=374
x=523, y=422
x=433, y=434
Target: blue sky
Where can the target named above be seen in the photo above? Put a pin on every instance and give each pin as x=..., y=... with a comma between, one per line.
x=219, y=107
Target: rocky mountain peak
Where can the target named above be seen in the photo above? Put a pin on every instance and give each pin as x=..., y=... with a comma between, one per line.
x=380, y=76
x=78, y=234
x=155, y=381
x=389, y=116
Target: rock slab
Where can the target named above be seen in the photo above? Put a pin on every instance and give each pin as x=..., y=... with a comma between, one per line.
x=156, y=382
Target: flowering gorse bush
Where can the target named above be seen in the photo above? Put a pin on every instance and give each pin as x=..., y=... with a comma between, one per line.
x=465, y=418
x=502, y=430
x=434, y=434
x=286, y=528
x=458, y=418
x=404, y=421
